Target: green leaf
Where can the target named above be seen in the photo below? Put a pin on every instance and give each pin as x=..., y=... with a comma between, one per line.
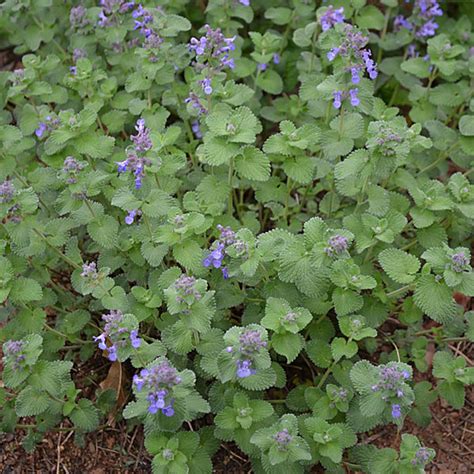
x=30, y=402
x=384, y=461
x=24, y=290
x=262, y=380
x=96, y=146
x=466, y=125
x=103, y=230
x=270, y=81
x=287, y=344
x=370, y=17
x=252, y=164
x=346, y=301
x=416, y=66
x=435, y=299
x=341, y=348
x=85, y=416
x=399, y=265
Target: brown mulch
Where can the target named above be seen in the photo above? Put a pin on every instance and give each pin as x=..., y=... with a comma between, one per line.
x=114, y=450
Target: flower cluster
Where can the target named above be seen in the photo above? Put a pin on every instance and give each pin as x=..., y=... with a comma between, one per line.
x=71, y=168
x=89, y=270
x=159, y=380
x=13, y=352
x=216, y=255
x=459, y=262
x=130, y=218
x=186, y=287
x=422, y=457
x=212, y=56
x=250, y=344
x=116, y=332
x=77, y=17
x=48, y=125
x=337, y=244
x=331, y=16
x=422, y=21
x=110, y=7
x=196, y=103
x=136, y=161
x=391, y=383
x=7, y=191
x=283, y=439
x=359, y=58
x=213, y=49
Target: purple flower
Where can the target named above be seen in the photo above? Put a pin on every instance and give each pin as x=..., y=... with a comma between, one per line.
x=428, y=29
x=331, y=16
x=89, y=270
x=216, y=256
x=129, y=220
x=331, y=55
x=135, y=340
x=196, y=103
x=369, y=63
x=459, y=262
x=101, y=339
x=396, y=411
x=337, y=99
x=422, y=456
x=186, y=286
x=78, y=53
x=117, y=333
x=401, y=22
x=142, y=139
x=112, y=353
x=276, y=58
x=261, y=67
x=73, y=70
x=250, y=342
x=42, y=127
x=244, y=369
x=283, y=439
x=168, y=411
x=77, y=17
x=159, y=381
x=196, y=129
x=355, y=75
x=206, y=86
x=213, y=49
x=245, y=3
x=337, y=245
x=354, y=99
x=13, y=352
x=7, y=191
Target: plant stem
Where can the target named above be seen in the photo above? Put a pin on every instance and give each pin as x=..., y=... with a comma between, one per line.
x=230, y=202
x=64, y=257
x=400, y=290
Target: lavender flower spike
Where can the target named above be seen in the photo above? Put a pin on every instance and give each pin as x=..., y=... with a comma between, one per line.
x=331, y=16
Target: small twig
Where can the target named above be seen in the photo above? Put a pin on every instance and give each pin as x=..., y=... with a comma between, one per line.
x=58, y=451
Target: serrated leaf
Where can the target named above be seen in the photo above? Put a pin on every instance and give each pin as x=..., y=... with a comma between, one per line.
x=252, y=164
x=399, y=265
x=25, y=290
x=435, y=299
x=30, y=402
x=85, y=415
x=103, y=230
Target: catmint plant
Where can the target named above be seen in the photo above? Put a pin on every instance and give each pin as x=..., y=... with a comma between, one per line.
x=120, y=335
x=258, y=213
